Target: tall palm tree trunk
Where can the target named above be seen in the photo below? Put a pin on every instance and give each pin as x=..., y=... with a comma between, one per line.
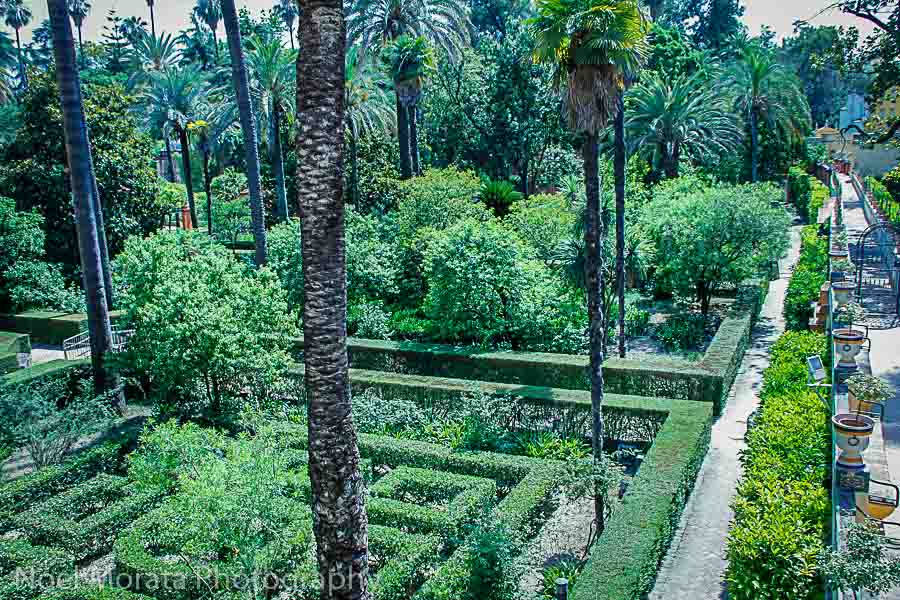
x=101, y=230
x=278, y=162
x=78, y=154
x=403, y=140
x=207, y=187
x=414, y=141
x=354, y=164
x=22, y=73
x=341, y=524
x=248, y=127
x=593, y=276
x=188, y=177
x=754, y=146
x=80, y=46
x=152, y=19
x=620, y=160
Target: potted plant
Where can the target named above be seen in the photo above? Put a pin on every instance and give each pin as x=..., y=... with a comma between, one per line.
x=839, y=269
x=847, y=340
x=865, y=391
x=863, y=565
x=852, y=433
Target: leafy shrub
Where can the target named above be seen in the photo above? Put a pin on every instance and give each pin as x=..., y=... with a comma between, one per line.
x=637, y=320
x=491, y=565
x=499, y=196
x=806, y=280
x=228, y=186
x=286, y=259
x=799, y=190
x=884, y=199
x=41, y=418
x=372, y=262
x=782, y=508
x=543, y=222
x=891, y=182
x=683, y=331
x=369, y=320
x=817, y=197
x=210, y=332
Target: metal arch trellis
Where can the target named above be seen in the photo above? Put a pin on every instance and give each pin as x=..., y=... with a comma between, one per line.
x=878, y=265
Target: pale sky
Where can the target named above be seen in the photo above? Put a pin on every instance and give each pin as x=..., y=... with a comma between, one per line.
x=173, y=15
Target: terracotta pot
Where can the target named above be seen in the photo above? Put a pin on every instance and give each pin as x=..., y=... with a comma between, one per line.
x=852, y=433
x=842, y=291
x=848, y=344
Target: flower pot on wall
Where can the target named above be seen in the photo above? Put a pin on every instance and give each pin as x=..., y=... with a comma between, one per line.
x=842, y=291
x=852, y=432
x=847, y=345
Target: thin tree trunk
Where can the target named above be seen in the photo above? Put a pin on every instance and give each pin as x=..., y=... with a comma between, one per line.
x=403, y=140
x=291, y=34
x=593, y=266
x=101, y=230
x=80, y=46
x=671, y=162
x=79, y=160
x=22, y=72
x=619, y=165
x=354, y=164
x=754, y=146
x=248, y=127
x=188, y=177
x=341, y=524
x=170, y=162
x=152, y=20
x=414, y=141
x=278, y=162
x=207, y=187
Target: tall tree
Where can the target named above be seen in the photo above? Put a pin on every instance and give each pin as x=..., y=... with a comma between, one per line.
x=210, y=13
x=408, y=60
x=150, y=4
x=287, y=9
x=78, y=152
x=272, y=70
x=17, y=16
x=620, y=160
x=373, y=24
x=116, y=43
x=79, y=10
x=594, y=44
x=248, y=126
x=764, y=91
x=341, y=524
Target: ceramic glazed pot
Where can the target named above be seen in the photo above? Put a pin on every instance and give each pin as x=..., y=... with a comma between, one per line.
x=852, y=433
x=847, y=345
x=842, y=291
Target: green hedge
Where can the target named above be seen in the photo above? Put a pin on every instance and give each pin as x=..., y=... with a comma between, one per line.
x=49, y=327
x=90, y=592
x=11, y=345
x=33, y=374
x=799, y=188
x=625, y=559
x=19, y=495
x=25, y=570
x=782, y=508
x=889, y=206
x=86, y=519
x=810, y=273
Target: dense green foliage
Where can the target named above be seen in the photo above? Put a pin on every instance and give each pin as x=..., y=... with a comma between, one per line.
x=782, y=509
x=807, y=279
x=885, y=201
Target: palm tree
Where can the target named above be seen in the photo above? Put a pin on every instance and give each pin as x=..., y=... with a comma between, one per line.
x=173, y=98
x=17, y=16
x=272, y=71
x=367, y=104
x=373, y=24
x=620, y=161
x=79, y=10
x=248, y=126
x=152, y=54
x=341, y=524
x=78, y=153
x=765, y=91
x=671, y=119
x=288, y=11
x=206, y=133
x=593, y=43
x=150, y=4
x=407, y=60
x=210, y=12
x=132, y=28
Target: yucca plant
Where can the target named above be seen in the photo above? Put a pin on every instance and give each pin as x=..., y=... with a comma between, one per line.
x=499, y=196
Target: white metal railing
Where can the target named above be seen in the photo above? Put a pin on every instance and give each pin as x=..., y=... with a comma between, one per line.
x=79, y=346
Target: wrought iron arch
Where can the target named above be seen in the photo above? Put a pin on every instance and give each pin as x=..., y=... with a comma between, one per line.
x=878, y=265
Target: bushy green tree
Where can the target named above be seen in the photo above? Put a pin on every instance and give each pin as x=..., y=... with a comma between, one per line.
x=708, y=237
x=33, y=167
x=210, y=332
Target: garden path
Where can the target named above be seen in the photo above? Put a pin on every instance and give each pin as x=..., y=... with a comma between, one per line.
x=694, y=567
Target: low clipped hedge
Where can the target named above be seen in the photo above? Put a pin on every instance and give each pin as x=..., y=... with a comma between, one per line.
x=626, y=558
x=807, y=194
x=19, y=495
x=809, y=275
x=72, y=369
x=11, y=345
x=26, y=570
x=85, y=519
x=782, y=507
x=90, y=592
x=888, y=205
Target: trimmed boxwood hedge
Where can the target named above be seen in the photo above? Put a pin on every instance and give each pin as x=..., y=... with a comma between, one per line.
x=807, y=279
x=11, y=345
x=782, y=508
x=90, y=592
x=25, y=570
x=625, y=559
x=49, y=327
x=708, y=380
